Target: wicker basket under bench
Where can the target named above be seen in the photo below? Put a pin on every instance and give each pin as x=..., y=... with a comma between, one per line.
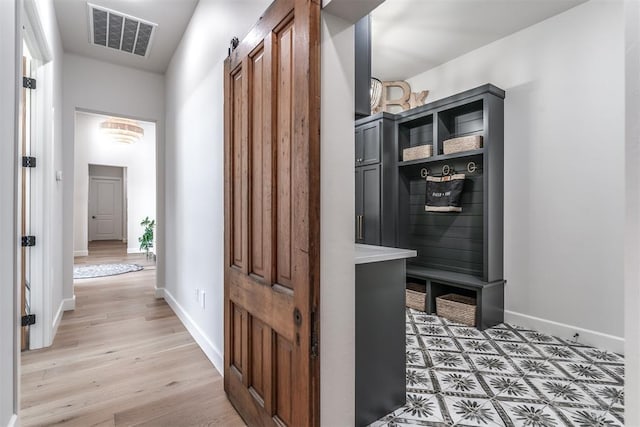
x=457, y=308
x=416, y=300
x=489, y=296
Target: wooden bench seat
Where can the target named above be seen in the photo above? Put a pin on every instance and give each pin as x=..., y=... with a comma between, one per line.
x=489, y=295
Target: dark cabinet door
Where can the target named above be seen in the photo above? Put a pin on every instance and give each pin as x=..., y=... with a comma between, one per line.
x=368, y=205
x=359, y=206
x=359, y=146
x=371, y=143
x=368, y=138
x=371, y=204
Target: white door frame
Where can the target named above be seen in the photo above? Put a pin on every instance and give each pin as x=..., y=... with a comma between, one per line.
x=11, y=75
x=123, y=224
x=160, y=188
x=40, y=334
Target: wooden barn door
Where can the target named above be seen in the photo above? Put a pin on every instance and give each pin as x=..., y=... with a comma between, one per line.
x=272, y=218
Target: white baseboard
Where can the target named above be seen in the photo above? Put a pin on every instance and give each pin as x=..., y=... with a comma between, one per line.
x=13, y=421
x=159, y=292
x=136, y=251
x=67, y=304
x=564, y=331
x=212, y=353
x=84, y=252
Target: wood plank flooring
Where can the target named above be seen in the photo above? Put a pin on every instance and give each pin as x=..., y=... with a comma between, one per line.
x=122, y=358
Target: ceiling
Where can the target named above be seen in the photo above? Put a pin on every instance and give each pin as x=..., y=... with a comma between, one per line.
x=441, y=30
x=172, y=17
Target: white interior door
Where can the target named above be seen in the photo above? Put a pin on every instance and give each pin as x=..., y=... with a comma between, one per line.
x=105, y=209
x=26, y=193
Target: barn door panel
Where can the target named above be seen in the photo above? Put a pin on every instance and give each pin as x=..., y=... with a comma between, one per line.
x=272, y=218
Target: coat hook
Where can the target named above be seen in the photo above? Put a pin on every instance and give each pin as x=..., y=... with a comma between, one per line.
x=424, y=172
x=471, y=167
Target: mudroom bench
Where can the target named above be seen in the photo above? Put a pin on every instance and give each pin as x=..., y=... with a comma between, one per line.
x=489, y=295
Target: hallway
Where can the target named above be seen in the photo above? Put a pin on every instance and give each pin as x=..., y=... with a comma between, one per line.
x=122, y=358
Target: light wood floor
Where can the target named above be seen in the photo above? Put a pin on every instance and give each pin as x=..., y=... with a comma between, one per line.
x=122, y=358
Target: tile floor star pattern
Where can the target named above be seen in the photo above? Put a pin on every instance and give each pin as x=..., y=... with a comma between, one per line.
x=505, y=376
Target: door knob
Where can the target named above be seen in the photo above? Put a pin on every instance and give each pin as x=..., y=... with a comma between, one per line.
x=93, y=217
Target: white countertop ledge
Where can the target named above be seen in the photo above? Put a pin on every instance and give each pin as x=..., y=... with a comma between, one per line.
x=367, y=253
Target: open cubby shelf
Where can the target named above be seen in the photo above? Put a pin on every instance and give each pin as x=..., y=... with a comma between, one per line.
x=462, y=120
x=426, y=127
x=489, y=296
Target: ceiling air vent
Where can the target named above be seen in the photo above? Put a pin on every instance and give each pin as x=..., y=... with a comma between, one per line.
x=120, y=31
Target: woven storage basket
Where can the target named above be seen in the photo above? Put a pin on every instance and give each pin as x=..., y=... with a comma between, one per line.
x=417, y=152
x=464, y=143
x=457, y=308
x=416, y=300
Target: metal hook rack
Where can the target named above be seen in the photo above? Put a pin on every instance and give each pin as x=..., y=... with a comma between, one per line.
x=449, y=170
x=471, y=167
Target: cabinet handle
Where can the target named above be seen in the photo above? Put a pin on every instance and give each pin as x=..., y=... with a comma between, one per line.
x=362, y=226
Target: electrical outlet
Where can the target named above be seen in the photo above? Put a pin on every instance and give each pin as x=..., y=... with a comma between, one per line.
x=202, y=299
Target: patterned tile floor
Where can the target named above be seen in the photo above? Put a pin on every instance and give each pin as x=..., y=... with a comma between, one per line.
x=505, y=376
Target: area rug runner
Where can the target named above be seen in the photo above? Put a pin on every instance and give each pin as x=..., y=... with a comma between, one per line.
x=102, y=270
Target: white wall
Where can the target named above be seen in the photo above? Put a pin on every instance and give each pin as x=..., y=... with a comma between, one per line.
x=194, y=167
x=337, y=184
x=8, y=157
x=96, y=86
x=47, y=149
x=92, y=147
x=564, y=167
x=632, y=229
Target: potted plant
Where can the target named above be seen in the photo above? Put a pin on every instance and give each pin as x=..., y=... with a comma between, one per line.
x=146, y=241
